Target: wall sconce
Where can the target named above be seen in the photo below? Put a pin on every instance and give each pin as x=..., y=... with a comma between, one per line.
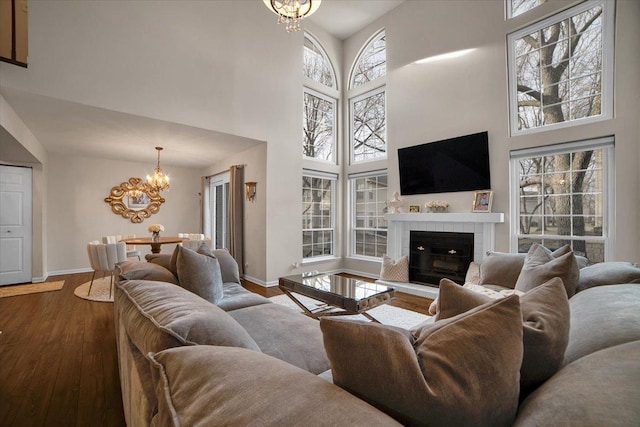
x=250, y=190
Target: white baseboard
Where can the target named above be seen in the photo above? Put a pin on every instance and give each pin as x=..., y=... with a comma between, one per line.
x=39, y=279
x=73, y=271
x=260, y=282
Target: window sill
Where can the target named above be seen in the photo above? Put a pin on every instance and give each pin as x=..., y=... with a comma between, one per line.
x=316, y=260
x=365, y=258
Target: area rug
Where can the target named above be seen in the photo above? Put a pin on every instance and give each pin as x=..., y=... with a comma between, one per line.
x=385, y=314
x=30, y=288
x=99, y=290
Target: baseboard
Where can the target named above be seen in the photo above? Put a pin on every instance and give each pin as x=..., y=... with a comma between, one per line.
x=74, y=271
x=260, y=282
x=39, y=279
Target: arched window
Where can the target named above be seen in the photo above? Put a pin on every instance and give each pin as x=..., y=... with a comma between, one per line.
x=367, y=106
x=319, y=104
x=372, y=62
x=316, y=64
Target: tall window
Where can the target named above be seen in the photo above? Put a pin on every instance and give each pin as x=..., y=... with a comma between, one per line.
x=563, y=196
x=368, y=118
x=319, y=106
x=560, y=69
x=369, y=231
x=318, y=218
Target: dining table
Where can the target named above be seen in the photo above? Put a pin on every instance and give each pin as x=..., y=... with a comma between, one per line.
x=156, y=244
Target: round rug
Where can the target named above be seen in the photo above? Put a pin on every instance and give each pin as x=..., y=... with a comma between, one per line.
x=99, y=290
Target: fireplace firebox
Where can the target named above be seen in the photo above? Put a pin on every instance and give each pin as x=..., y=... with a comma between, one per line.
x=434, y=255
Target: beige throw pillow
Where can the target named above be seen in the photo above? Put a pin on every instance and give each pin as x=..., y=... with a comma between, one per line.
x=545, y=322
x=199, y=274
x=395, y=271
x=501, y=269
x=541, y=265
x=459, y=371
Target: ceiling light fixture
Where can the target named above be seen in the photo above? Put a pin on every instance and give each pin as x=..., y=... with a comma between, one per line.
x=292, y=12
x=158, y=181
x=449, y=55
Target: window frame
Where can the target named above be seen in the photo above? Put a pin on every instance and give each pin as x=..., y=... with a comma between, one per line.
x=308, y=173
x=376, y=36
x=607, y=145
x=607, y=70
x=353, y=217
x=325, y=56
x=334, y=149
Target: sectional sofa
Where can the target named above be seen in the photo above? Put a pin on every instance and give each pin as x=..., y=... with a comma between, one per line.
x=235, y=358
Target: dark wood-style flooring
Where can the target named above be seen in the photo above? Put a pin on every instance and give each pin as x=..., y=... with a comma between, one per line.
x=58, y=359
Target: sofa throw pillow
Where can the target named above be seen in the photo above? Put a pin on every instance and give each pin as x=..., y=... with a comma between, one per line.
x=200, y=274
x=545, y=323
x=228, y=264
x=136, y=270
x=501, y=269
x=434, y=308
x=608, y=273
x=395, y=271
x=451, y=372
x=541, y=265
x=163, y=260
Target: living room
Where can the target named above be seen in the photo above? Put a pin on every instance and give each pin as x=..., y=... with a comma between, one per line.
x=111, y=76
x=219, y=83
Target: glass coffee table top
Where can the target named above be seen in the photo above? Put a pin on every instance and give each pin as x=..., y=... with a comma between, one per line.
x=350, y=296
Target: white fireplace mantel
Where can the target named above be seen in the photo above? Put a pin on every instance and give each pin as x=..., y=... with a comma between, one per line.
x=399, y=226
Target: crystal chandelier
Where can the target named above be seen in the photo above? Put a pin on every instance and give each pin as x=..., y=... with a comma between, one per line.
x=158, y=181
x=292, y=12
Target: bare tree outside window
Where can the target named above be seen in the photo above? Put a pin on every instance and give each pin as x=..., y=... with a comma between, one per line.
x=372, y=63
x=369, y=124
x=559, y=71
x=318, y=126
x=518, y=7
x=317, y=216
x=316, y=65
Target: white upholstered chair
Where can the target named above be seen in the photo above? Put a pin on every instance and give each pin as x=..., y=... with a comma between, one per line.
x=131, y=249
x=104, y=257
x=194, y=240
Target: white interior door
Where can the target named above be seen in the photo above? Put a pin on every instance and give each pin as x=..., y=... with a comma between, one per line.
x=15, y=225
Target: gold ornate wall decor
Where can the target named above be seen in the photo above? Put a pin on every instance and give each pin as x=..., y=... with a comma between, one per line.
x=134, y=199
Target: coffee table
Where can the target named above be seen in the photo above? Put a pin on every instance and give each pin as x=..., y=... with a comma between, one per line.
x=338, y=295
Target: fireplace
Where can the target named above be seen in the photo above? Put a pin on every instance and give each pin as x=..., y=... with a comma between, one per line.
x=434, y=255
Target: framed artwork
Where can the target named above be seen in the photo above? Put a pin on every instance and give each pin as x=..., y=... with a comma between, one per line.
x=140, y=201
x=482, y=201
x=414, y=208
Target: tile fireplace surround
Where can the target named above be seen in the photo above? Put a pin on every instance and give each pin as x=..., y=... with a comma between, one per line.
x=482, y=225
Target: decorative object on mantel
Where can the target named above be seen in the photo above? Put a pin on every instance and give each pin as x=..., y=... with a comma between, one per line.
x=414, y=208
x=159, y=181
x=292, y=12
x=437, y=206
x=396, y=203
x=155, y=230
x=139, y=208
x=482, y=201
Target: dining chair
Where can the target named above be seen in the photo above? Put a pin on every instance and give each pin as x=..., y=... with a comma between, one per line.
x=131, y=249
x=194, y=240
x=103, y=257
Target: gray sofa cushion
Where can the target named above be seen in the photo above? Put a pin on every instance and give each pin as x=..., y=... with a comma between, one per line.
x=450, y=373
x=501, y=269
x=200, y=274
x=600, y=389
x=285, y=334
x=228, y=264
x=603, y=317
x=608, y=273
x=235, y=297
x=136, y=270
x=160, y=315
x=545, y=323
x=211, y=386
x=541, y=265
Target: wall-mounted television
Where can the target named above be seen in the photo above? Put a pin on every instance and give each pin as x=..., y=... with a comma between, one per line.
x=455, y=164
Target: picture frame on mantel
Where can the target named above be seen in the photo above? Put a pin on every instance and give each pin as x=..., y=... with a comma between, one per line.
x=482, y=201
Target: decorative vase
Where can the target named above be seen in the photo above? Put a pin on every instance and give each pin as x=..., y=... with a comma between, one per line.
x=155, y=236
x=438, y=209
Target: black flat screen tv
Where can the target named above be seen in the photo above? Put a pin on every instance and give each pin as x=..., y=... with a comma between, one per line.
x=455, y=164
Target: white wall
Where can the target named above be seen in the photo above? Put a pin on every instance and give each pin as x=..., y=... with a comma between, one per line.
x=78, y=213
x=469, y=94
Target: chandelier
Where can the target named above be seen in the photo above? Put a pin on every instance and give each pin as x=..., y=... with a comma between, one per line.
x=158, y=181
x=292, y=12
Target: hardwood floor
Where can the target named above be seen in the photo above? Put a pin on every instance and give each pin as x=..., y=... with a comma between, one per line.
x=58, y=362
x=58, y=359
